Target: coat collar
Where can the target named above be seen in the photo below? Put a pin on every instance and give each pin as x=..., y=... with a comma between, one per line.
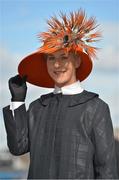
x=82, y=98
x=75, y=99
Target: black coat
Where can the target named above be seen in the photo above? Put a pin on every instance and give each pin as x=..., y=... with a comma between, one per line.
x=68, y=136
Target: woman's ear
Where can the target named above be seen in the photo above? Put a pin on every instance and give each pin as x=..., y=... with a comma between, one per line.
x=77, y=62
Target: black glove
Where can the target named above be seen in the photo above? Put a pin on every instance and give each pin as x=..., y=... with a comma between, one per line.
x=18, y=88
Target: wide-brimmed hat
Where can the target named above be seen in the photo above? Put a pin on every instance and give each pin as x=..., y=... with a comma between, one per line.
x=73, y=33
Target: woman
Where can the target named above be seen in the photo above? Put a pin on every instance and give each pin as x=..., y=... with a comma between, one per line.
x=68, y=132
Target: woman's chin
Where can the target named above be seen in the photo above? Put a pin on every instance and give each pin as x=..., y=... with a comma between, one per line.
x=60, y=83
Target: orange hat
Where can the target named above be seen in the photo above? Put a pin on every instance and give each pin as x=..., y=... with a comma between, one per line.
x=73, y=33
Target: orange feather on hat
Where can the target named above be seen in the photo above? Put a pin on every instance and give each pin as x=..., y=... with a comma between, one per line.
x=70, y=32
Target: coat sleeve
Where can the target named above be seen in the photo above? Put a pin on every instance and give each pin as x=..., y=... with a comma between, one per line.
x=17, y=129
x=105, y=164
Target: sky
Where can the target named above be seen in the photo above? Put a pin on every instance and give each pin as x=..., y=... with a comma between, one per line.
x=20, y=23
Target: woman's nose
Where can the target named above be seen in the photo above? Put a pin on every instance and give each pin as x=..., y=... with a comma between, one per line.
x=57, y=63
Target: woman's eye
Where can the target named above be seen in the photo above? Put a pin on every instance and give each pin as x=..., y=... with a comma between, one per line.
x=51, y=58
x=64, y=57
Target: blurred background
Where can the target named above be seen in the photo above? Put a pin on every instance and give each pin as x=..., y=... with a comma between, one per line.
x=20, y=23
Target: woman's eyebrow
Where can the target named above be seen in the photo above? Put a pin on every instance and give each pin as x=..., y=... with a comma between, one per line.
x=50, y=55
x=63, y=54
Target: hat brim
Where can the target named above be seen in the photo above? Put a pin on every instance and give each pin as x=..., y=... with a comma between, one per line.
x=35, y=67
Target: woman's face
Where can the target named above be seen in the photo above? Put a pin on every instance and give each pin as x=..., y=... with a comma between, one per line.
x=62, y=67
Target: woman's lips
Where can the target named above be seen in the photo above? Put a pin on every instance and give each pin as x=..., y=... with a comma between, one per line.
x=59, y=72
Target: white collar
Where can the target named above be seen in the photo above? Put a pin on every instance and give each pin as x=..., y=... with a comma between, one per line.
x=74, y=88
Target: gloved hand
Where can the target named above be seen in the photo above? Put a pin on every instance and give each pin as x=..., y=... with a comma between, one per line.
x=18, y=88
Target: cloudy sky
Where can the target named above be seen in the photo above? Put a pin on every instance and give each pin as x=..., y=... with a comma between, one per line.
x=20, y=23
